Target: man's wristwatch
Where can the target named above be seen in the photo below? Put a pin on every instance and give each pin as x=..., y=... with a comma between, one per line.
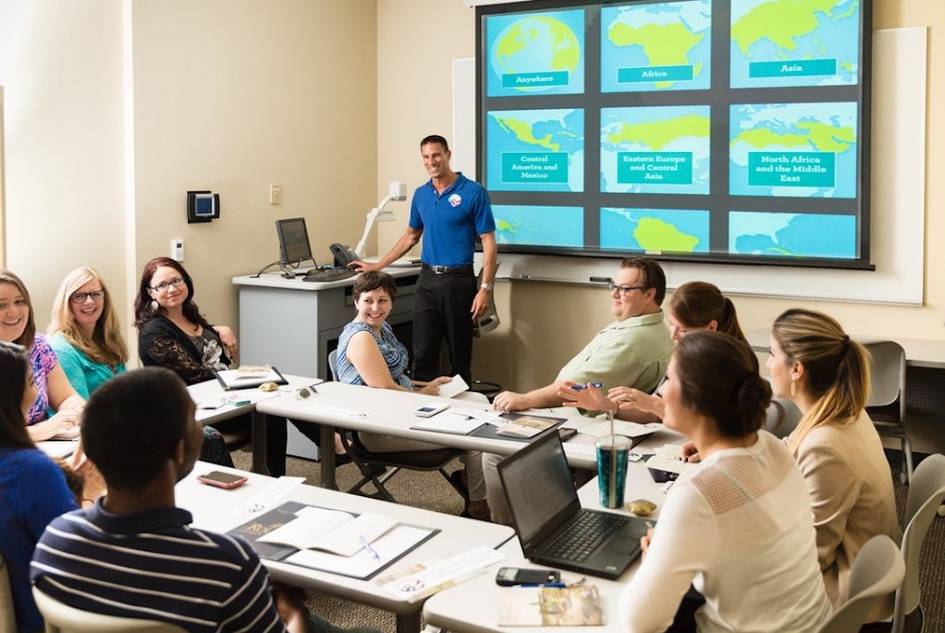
x=486, y=286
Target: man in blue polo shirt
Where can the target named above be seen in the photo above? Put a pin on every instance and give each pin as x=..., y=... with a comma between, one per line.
x=449, y=211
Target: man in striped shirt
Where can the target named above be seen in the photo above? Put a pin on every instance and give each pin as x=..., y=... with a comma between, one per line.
x=134, y=554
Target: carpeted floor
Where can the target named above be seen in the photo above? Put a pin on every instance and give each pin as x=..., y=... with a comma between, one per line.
x=432, y=492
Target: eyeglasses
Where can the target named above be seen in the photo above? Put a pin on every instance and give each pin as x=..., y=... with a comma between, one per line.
x=623, y=290
x=81, y=297
x=177, y=282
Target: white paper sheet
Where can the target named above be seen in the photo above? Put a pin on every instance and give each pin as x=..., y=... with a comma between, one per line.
x=453, y=388
x=389, y=547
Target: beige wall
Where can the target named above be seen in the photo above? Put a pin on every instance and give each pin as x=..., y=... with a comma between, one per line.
x=60, y=68
x=235, y=95
x=545, y=323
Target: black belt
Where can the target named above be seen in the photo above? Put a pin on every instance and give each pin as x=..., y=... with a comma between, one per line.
x=465, y=269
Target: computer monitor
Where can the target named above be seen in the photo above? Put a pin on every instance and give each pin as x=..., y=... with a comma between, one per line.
x=294, y=246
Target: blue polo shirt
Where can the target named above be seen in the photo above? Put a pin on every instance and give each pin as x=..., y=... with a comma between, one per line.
x=451, y=220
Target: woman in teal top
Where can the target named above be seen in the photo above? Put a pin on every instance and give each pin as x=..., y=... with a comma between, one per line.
x=85, y=333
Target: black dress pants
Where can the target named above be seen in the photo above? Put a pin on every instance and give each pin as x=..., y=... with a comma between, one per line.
x=441, y=310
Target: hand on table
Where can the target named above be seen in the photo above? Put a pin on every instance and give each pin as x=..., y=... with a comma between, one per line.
x=510, y=401
x=64, y=424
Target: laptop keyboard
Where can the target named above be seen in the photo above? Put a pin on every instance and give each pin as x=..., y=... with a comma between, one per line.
x=580, y=539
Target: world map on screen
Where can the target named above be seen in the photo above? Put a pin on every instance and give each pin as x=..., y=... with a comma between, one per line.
x=793, y=150
x=792, y=234
x=539, y=225
x=795, y=43
x=655, y=230
x=659, y=46
x=535, y=150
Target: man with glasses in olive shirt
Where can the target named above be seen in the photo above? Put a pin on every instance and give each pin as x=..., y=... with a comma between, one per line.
x=633, y=351
x=449, y=211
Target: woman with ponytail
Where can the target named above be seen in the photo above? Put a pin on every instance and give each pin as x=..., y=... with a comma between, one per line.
x=814, y=363
x=738, y=527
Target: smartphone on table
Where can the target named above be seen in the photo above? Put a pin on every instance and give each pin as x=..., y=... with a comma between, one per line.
x=221, y=479
x=511, y=576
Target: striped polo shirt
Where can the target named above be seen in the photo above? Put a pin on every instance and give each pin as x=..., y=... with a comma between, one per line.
x=152, y=565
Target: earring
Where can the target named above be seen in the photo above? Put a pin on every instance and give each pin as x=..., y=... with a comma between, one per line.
x=154, y=305
x=793, y=388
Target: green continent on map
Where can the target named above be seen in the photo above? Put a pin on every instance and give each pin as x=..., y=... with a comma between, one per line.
x=567, y=50
x=663, y=44
x=504, y=226
x=781, y=21
x=823, y=137
x=658, y=134
x=654, y=234
x=523, y=132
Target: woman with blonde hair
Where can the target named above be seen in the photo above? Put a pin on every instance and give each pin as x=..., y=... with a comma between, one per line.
x=53, y=391
x=815, y=363
x=85, y=332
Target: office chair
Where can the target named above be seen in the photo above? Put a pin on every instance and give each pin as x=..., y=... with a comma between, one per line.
x=378, y=468
x=877, y=572
x=7, y=615
x=887, y=400
x=926, y=494
x=61, y=618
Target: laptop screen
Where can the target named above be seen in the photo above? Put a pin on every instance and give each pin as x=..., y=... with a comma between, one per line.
x=538, y=484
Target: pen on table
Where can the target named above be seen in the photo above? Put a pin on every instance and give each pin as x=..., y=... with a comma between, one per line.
x=370, y=550
x=553, y=585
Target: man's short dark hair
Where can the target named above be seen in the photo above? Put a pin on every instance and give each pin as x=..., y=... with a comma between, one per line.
x=653, y=275
x=373, y=280
x=435, y=138
x=132, y=424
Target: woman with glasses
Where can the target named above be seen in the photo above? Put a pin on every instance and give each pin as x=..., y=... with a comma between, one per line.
x=53, y=391
x=173, y=334
x=171, y=331
x=85, y=333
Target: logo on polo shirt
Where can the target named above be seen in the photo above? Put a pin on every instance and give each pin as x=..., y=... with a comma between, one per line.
x=455, y=200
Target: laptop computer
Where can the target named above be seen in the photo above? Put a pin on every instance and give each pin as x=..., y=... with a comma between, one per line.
x=552, y=527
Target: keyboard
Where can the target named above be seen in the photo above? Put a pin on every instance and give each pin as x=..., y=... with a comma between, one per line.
x=329, y=274
x=581, y=539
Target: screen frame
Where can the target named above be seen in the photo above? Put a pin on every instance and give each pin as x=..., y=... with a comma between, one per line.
x=592, y=8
